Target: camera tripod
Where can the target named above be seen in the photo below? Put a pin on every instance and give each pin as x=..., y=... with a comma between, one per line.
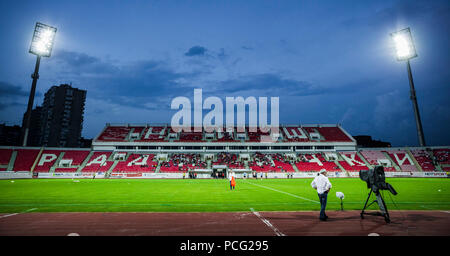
x=384, y=212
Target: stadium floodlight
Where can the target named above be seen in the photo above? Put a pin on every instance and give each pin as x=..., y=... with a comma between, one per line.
x=404, y=45
x=41, y=46
x=42, y=41
x=406, y=50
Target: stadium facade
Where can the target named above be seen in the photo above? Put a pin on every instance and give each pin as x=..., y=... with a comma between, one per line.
x=157, y=151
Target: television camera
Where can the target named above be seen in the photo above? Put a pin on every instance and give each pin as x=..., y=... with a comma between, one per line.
x=375, y=179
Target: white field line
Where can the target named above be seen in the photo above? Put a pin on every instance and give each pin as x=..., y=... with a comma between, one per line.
x=184, y=204
x=12, y=214
x=276, y=190
x=446, y=211
x=277, y=232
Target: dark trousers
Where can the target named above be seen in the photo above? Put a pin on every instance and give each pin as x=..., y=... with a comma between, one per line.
x=323, y=204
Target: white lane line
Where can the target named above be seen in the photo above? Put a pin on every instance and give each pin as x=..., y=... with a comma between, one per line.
x=12, y=214
x=307, y=199
x=446, y=211
x=277, y=232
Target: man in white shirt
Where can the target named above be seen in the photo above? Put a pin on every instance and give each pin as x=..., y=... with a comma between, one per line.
x=323, y=186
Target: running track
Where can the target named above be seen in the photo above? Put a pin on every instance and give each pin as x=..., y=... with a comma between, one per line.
x=251, y=223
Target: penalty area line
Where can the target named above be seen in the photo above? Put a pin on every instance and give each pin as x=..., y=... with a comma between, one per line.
x=279, y=191
x=12, y=214
x=265, y=221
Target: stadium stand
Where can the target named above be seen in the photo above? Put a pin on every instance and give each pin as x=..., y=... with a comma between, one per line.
x=137, y=163
x=376, y=157
x=190, y=137
x=314, y=162
x=282, y=163
x=98, y=162
x=25, y=159
x=262, y=163
x=442, y=156
x=329, y=133
x=137, y=149
x=403, y=160
x=424, y=159
x=115, y=133
x=225, y=137
x=153, y=134
x=352, y=162
x=66, y=160
x=5, y=157
x=294, y=134
x=76, y=156
x=255, y=136
x=229, y=159
x=118, y=133
x=182, y=163
x=47, y=160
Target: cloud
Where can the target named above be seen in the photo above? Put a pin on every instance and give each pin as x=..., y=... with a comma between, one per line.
x=222, y=54
x=13, y=96
x=3, y=106
x=83, y=64
x=196, y=51
x=275, y=84
x=8, y=90
x=134, y=84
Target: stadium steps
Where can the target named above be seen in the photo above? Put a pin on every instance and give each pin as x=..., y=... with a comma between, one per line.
x=397, y=168
x=340, y=166
x=108, y=173
x=336, y=162
x=85, y=161
x=56, y=164
x=12, y=160
x=271, y=160
x=295, y=167
x=436, y=164
x=158, y=167
x=37, y=159
x=414, y=160
x=128, y=137
x=364, y=160
x=141, y=135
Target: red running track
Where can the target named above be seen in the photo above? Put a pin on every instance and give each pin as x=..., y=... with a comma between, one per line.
x=348, y=223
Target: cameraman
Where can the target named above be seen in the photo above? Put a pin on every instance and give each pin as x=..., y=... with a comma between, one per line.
x=323, y=186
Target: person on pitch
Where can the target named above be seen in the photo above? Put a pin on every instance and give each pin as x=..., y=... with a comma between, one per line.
x=323, y=186
x=232, y=181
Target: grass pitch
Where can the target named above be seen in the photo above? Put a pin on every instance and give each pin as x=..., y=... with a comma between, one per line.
x=166, y=195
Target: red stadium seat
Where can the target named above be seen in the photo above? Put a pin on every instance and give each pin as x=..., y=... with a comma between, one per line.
x=25, y=159
x=137, y=163
x=352, y=162
x=98, y=162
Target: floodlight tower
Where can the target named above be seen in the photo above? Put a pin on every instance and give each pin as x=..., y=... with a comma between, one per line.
x=41, y=46
x=405, y=51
